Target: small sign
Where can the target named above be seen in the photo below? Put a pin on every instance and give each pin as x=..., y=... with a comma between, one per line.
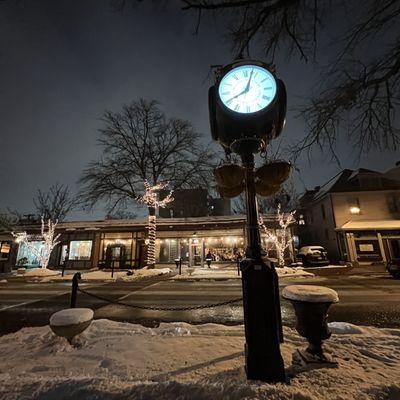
x=366, y=247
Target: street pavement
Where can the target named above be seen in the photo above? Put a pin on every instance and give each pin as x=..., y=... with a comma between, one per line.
x=363, y=300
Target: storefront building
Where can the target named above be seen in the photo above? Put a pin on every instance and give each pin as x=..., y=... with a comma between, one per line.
x=355, y=216
x=122, y=243
x=366, y=242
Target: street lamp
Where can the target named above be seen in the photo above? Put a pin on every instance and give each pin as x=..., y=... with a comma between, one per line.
x=247, y=107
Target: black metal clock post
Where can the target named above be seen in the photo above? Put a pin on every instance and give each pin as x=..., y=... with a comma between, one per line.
x=260, y=296
x=246, y=135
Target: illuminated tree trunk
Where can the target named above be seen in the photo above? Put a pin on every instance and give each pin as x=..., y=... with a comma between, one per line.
x=47, y=237
x=151, y=246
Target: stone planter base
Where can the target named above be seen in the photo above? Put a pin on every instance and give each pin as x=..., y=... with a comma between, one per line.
x=303, y=357
x=71, y=322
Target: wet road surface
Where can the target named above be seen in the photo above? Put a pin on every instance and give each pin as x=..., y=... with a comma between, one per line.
x=363, y=300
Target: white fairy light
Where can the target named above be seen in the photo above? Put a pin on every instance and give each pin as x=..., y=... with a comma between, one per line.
x=283, y=241
x=150, y=198
x=47, y=237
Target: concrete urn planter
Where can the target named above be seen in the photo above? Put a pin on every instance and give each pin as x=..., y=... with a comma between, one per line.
x=311, y=304
x=71, y=322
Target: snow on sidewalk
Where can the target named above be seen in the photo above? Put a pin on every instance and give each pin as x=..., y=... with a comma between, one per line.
x=231, y=273
x=105, y=276
x=114, y=360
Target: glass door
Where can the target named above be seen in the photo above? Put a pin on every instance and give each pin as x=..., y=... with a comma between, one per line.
x=196, y=252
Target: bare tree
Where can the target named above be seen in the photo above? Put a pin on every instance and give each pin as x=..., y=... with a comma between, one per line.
x=55, y=203
x=8, y=220
x=141, y=144
x=359, y=94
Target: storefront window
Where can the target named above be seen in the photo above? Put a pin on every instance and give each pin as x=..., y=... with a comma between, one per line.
x=27, y=258
x=125, y=244
x=224, y=249
x=368, y=250
x=80, y=250
x=5, y=248
x=167, y=250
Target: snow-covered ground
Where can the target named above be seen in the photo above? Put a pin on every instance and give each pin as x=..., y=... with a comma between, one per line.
x=231, y=273
x=113, y=360
x=40, y=273
x=105, y=276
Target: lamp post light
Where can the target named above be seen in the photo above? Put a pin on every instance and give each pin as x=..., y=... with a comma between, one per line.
x=247, y=107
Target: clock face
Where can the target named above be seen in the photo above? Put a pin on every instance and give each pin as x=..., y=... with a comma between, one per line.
x=247, y=89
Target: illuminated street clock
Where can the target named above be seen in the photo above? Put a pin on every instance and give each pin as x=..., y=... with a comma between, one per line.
x=246, y=101
x=247, y=89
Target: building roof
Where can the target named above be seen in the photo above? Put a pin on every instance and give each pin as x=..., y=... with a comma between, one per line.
x=382, y=224
x=360, y=180
x=393, y=173
x=213, y=222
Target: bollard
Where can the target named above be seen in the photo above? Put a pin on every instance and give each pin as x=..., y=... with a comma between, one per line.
x=74, y=292
x=238, y=267
x=178, y=263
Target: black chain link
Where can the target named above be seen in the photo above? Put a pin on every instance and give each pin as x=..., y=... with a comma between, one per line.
x=198, y=307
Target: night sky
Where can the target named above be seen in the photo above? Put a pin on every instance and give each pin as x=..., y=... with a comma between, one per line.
x=63, y=63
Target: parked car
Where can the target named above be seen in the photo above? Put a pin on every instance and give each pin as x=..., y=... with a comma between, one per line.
x=313, y=256
x=393, y=267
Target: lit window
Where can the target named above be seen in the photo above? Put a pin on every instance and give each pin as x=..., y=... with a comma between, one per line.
x=80, y=250
x=4, y=250
x=354, y=205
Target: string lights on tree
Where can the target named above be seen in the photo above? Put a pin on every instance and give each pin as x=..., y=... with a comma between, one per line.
x=47, y=237
x=283, y=241
x=151, y=199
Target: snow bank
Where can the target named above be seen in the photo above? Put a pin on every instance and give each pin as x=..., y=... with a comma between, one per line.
x=231, y=273
x=40, y=273
x=105, y=276
x=293, y=271
x=346, y=327
x=182, y=361
x=145, y=273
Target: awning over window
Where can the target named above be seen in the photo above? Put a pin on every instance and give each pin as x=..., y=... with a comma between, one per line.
x=382, y=224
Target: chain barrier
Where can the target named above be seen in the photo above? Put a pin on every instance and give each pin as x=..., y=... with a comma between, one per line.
x=153, y=308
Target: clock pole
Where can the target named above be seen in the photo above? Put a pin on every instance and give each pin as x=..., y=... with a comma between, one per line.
x=261, y=308
x=246, y=133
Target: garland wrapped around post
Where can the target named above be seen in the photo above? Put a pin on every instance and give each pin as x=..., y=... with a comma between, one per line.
x=150, y=198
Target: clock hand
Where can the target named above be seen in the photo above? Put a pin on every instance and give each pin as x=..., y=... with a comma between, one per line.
x=248, y=83
x=234, y=97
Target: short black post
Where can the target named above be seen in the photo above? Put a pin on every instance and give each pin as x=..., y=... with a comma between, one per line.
x=180, y=266
x=112, y=268
x=64, y=264
x=238, y=266
x=74, y=291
